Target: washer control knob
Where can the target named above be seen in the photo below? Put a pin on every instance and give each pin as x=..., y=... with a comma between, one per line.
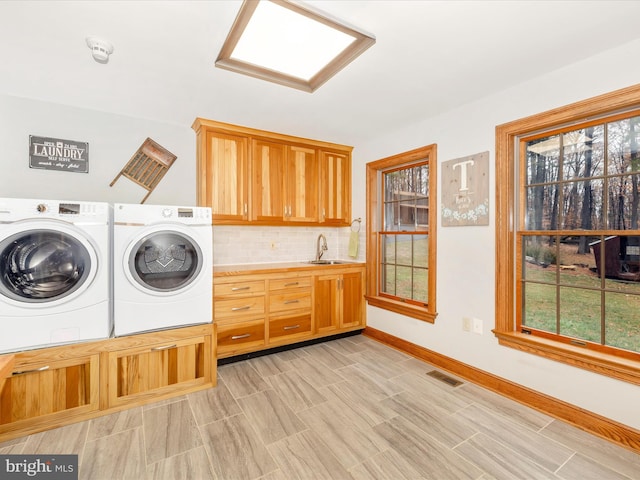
x=167, y=212
x=42, y=207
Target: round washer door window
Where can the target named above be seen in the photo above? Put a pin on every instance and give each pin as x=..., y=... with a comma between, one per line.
x=165, y=261
x=39, y=266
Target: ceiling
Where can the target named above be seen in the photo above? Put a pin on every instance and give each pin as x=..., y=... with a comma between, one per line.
x=429, y=57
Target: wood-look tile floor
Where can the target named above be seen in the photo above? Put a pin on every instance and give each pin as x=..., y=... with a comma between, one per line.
x=345, y=409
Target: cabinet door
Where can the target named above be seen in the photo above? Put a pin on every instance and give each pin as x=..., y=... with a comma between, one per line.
x=152, y=370
x=48, y=390
x=226, y=177
x=267, y=181
x=302, y=175
x=326, y=308
x=335, y=185
x=352, y=292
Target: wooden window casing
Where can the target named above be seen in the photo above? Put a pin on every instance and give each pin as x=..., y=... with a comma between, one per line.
x=375, y=170
x=507, y=192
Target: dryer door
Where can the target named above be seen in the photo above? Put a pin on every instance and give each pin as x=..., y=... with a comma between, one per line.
x=41, y=266
x=165, y=261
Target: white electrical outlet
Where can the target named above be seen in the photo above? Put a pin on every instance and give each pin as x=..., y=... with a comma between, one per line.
x=466, y=324
x=477, y=326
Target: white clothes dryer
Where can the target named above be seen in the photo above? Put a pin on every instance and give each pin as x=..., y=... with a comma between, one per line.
x=55, y=274
x=163, y=267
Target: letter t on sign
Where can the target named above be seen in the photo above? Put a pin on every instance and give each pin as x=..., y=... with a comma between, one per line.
x=463, y=173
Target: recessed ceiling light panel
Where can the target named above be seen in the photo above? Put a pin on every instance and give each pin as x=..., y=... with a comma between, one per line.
x=287, y=43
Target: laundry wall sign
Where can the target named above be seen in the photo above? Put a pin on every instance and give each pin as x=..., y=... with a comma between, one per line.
x=465, y=191
x=58, y=154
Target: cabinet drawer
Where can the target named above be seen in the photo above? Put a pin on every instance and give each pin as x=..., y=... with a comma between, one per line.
x=238, y=288
x=295, y=325
x=286, y=283
x=290, y=301
x=240, y=336
x=225, y=308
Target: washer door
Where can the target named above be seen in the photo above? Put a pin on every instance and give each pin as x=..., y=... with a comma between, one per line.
x=42, y=266
x=165, y=261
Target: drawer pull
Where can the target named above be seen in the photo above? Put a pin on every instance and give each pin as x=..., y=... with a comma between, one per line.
x=291, y=327
x=291, y=301
x=41, y=369
x=239, y=337
x=291, y=284
x=237, y=309
x=236, y=289
x=165, y=347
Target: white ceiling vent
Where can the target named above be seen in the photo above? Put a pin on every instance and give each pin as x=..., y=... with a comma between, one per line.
x=100, y=49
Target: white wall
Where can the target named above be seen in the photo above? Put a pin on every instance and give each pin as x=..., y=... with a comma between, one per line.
x=112, y=139
x=466, y=270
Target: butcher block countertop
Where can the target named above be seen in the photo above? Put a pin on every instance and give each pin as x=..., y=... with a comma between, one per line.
x=6, y=368
x=251, y=268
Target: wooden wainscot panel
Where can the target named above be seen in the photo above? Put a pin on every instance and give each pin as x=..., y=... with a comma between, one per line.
x=160, y=369
x=37, y=393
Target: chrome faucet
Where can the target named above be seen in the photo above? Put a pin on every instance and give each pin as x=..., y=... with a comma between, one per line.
x=320, y=249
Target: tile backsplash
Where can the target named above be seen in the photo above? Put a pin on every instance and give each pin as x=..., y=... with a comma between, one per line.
x=234, y=245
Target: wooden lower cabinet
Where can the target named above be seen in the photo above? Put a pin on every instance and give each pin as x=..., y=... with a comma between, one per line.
x=163, y=366
x=239, y=313
x=48, y=387
x=272, y=307
x=339, y=301
x=290, y=310
x=52, y=387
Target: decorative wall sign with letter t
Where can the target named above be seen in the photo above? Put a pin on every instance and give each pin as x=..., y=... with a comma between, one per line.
x=465, y=191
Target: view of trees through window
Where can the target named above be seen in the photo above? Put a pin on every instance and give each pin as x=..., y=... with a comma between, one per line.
x=404, y=240
x=578, y=234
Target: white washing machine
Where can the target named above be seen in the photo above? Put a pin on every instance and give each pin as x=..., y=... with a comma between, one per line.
x=162, y=267
x=54, y=272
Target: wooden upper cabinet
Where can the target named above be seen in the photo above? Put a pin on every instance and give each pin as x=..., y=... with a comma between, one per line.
x=335, y=194
x=250, y=176
x=226, y=187
x=267, y=181
x=301, y=189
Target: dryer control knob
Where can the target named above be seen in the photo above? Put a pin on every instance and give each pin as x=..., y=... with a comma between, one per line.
x=167, y=212
x=42, y=207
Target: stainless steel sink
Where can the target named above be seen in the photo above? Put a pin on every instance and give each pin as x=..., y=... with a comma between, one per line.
x=329, y=262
